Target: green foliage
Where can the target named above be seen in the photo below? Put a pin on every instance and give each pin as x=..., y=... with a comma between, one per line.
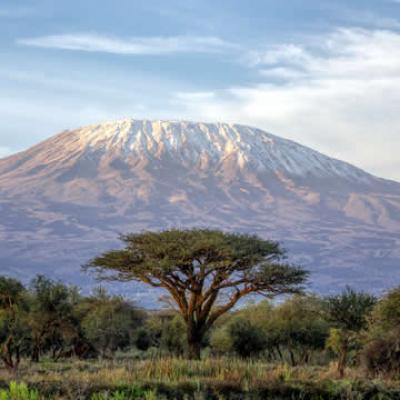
x=108, y=322
x=381, y=355
x=173, y=336
x=299, y=325
x=336, y=340
x=13, y=318
x=19, y=391
x=199, y=267
x=350, y=310
x=221, y=340
x=291, y=331
x=51, y=319
x=386, y=314
x=143, y=339
x=11, y=293
x=247, y=340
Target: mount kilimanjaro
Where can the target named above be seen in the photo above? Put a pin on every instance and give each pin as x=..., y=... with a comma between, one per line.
x=69, y=197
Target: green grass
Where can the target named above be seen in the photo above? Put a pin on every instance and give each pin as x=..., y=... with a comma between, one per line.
x=171, y=378
x=19, y=391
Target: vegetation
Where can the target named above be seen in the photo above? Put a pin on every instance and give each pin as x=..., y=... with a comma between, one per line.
x=172, y=378
x=200, y=268
x=13, y=315
x=56, y=343
x=381, y=353
x=348, y=312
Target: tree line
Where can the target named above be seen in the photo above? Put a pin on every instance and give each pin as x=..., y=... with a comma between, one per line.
x=52, y=320
x=206, y=274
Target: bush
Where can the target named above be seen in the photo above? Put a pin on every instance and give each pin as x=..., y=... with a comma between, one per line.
x=173, y=336
x=221, y=341
x=143, y=340
x=247, y=339
x=382, y=355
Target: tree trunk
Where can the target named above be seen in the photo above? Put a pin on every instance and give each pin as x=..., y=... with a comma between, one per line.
x=342, y=361
x=194, y=350
x=35, y=354
x=10, y=356
x=292, y=357
x=278, y=349
x=194, y=337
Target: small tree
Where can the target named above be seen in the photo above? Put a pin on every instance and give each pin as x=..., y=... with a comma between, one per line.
x=247, y=339
x=298, y=325
x=206, y=272
x=51, y=318
x=108, y=322
x=349, y=312
x=13, y=313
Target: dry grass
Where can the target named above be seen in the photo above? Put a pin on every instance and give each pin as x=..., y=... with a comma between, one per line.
x=75, y=378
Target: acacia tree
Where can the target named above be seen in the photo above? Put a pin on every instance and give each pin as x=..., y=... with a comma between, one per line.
x=349, y=313
x=206, y=272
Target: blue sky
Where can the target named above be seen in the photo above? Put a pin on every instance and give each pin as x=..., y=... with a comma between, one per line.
x=324, y=73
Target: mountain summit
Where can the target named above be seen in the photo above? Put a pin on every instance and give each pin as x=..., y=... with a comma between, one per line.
x=68, y=197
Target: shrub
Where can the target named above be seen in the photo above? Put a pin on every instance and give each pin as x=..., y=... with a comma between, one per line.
x=247, y=339
x=143, y=339
x=382, y=355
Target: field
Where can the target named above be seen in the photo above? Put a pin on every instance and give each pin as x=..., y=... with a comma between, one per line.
x=173, y=378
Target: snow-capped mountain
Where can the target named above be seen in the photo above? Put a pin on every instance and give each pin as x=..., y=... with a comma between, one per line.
x=69, y=197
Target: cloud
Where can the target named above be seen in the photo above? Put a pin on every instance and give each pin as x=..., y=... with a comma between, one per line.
x=130, y=46
x=339, y=94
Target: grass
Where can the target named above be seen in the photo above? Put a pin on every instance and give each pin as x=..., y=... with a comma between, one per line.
x=19, y=391
x=171, y=378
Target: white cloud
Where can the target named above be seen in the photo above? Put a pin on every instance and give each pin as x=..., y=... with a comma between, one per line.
x=133, y=46
x=340, y=94
x=279, y=54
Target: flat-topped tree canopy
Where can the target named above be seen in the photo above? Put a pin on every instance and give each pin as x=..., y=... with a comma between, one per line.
x=205, y=271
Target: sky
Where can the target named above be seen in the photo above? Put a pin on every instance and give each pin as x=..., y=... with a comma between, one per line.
x=323, y=73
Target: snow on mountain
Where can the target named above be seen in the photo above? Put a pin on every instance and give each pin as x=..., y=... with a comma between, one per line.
x=67, y=198
x=195, y=145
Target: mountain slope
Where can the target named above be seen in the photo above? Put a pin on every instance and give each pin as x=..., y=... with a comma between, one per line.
x=69, y=197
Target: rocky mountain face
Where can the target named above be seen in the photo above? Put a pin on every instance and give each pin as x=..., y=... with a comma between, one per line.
x=68, y=198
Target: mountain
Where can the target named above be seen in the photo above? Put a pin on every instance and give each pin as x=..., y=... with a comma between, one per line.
x=69, y=197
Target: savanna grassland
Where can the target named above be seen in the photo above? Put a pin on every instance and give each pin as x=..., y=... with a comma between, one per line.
x=173, y=378
x=56, y=343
